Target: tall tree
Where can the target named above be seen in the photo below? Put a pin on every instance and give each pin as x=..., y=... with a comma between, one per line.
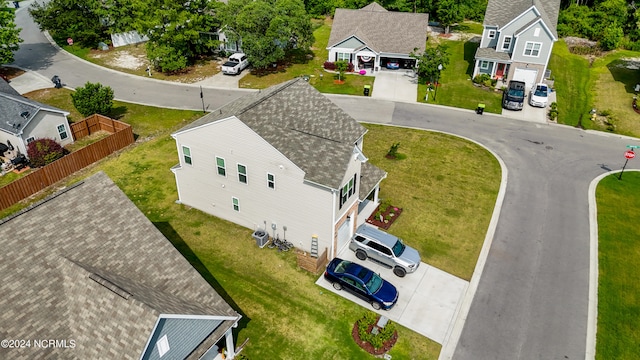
x=77, y=19
x=9, y=35
x=428, y=61
x=448, y=13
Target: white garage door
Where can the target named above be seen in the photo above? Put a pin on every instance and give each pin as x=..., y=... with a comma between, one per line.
x=344, y=234
x=528, y=76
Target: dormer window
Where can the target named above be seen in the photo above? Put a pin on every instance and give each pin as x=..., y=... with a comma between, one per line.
x=492, y=34
x=506, y=44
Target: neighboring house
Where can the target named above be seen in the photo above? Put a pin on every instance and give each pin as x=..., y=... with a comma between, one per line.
x=23, y=120
x=372, y=36
x=517, y=39
x=229, y=41
x=285, y=158
x=85, y=273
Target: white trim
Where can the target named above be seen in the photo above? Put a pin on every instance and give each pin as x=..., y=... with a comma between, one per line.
x=484, y=67
x=532, y=7
x=27, y=141
x=224, y=167
x=547, y=29
x=246, y=173
x=490, y=35
x=268, y=181
x=235, y=203
x=182, y=147
x=163, y=345
x=533, y=44
x=504, y=42
x=66, y=131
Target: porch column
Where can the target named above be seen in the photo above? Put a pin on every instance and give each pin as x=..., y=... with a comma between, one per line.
x=231, y=350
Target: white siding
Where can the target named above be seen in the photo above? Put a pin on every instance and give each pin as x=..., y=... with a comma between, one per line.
x=44, y=125
x=304, y=209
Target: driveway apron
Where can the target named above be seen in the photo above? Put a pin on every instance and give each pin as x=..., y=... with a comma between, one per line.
x=396, y=85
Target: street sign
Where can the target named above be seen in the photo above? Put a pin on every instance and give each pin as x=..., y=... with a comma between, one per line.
x=629, y=154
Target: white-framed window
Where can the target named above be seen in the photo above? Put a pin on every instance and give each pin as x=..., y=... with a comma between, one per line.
x=506, y=43
x=484, y=64
x=222, y=170
x=532, y=48
x=236, y=203
x=30, y=139
x=347, y=190
x=186, y=155
x=343, y=56
x=62, y=130
x=242, y=173
x=271, y=181
x=491, y=34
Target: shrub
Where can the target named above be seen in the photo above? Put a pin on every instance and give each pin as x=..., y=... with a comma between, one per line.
x=393, y=150
x=482, y=79
x=93, y=99
x=44, y=151
x=553, y=111
x=376, y=340
x=329, y=65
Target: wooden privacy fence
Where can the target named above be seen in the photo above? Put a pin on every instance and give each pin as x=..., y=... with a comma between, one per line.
x=122, y=136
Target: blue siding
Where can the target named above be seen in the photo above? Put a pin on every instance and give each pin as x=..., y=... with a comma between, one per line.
x=184, y=335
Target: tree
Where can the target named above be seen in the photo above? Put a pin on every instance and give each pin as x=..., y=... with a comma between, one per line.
x=93, y=99
x=269, y=29
x=448, y=13
x=611, y=37
x=428, y=61
x=76, y=19
x=9, y=35
x=44, y=151
x=341, y=66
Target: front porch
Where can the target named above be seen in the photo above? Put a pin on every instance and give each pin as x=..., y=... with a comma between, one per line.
x=493, y=63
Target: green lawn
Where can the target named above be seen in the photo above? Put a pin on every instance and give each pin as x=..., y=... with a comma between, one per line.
x=456, y=88
x=618, y=335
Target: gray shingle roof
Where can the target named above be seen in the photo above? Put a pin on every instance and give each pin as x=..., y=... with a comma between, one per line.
x=87, y=265
x=370, y=176
x=501, y=12
x=302, y=124
x=386, y=31
x=12, y=105
x=492, y=54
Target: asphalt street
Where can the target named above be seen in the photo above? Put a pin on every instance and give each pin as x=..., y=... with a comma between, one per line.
x=532, y=299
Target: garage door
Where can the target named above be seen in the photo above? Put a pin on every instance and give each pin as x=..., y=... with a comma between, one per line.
x=344, y=234
x=528, y=76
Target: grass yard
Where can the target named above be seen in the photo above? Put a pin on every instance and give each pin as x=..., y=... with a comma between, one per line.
x=606, y=85
x=618, y=335
x=456, y=88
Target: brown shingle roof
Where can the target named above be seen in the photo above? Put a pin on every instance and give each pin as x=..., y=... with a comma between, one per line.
x=87, y=265
x=386, y=31
x=501, y=12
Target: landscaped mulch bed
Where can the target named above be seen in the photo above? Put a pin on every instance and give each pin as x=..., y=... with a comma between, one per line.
x=386, y=346
x=388, y=220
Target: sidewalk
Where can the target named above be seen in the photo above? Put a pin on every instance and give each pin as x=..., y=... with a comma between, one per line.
x=30, y=81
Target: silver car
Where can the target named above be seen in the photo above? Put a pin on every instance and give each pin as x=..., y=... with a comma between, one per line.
x=384, y=248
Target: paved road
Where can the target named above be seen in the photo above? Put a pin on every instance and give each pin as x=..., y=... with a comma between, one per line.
x=531, y=301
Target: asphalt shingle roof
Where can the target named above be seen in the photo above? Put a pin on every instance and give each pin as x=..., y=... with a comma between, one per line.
x=302, y=124
x=12, y=105
x=492, y=54
x=385, y=31
x=86, y=265
x=501, y=12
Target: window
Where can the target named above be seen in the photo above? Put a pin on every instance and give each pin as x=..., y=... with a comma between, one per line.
x=492, y=34
x=347, y=190
x=62, y=131
x=30, y=139
x=506, y=44
x=271, y=181
x=484, y=64
x=242, y=173
x=186, y=153
x=236, y=203
x=343, y=56
x=163, y=345
x=532, y=49
x=222, y=171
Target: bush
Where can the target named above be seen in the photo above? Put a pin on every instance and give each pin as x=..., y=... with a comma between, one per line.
x=376, y=340
x=329, y=65
x=165, y=58
x=553, y=111
x=93, y=99
x=44, y=151
x=393, y=150
x=482, y=78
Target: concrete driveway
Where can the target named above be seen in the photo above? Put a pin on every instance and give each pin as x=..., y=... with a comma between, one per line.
x=530, y=113
x=428, y=302
x=396, y=85
x=222, y=81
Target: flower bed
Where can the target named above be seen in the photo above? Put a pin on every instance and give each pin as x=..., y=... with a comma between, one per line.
x=378, y=343
x=384, y=216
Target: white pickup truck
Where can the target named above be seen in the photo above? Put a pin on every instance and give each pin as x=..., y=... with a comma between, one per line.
x=236, y=63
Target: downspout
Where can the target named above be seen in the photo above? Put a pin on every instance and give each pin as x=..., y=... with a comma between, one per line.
x=333, y=219
x=231, y=351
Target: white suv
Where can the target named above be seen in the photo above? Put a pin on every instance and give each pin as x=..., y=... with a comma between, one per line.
x=384, y=248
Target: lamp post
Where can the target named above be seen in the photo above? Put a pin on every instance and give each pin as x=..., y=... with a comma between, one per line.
x=437, y=79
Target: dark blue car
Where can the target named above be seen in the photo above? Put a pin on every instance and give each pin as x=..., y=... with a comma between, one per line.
x=362, y=282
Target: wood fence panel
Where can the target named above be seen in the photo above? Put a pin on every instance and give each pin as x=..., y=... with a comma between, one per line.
x=77, y=160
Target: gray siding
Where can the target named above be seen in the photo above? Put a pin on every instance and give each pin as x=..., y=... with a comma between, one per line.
x=519, y=22
x=544, y=37
x=183, y=336
x=486, y=41
x=350, y=43
x=305, y=209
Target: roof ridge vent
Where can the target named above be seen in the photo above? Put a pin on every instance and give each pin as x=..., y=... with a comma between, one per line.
x=111, y=286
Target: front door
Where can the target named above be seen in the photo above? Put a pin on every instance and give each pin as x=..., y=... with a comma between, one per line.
x=500, y=71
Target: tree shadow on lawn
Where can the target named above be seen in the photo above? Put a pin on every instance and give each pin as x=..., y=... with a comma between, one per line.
x=624, y=72
x=118, y=112
x=176, y=240
x=469, y=55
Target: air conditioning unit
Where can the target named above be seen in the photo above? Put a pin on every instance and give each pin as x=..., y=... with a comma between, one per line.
x=261, y=236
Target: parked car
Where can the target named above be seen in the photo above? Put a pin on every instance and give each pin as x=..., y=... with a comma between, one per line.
x=513, y=96
x=393, y=64
x=361, y=282
x=384, y=248
x=539, y=96
x=236, y=63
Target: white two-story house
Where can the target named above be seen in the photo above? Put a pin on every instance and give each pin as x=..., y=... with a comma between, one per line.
x=517, y=39
x=286, y=159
